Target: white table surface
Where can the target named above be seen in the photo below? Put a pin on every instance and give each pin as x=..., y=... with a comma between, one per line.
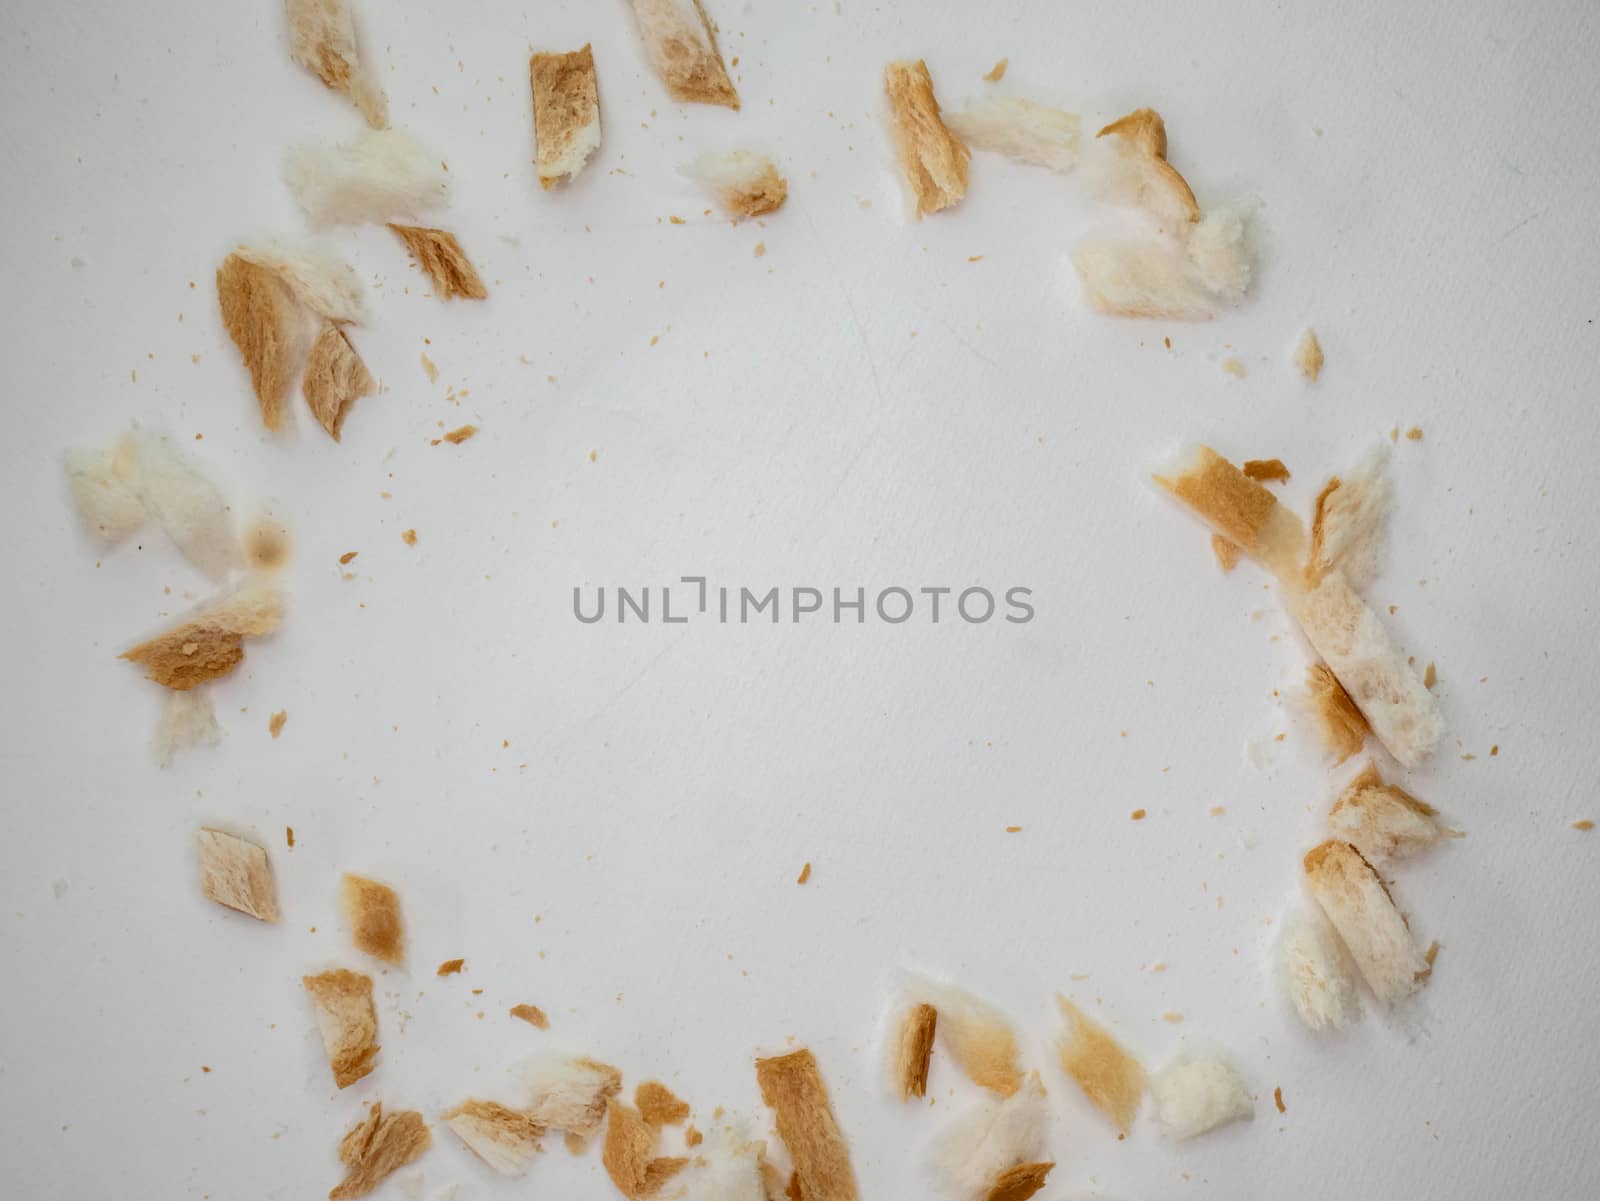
x=608, y=821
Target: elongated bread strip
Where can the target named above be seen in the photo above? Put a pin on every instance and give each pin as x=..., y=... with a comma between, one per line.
x=506, y=1139
x=932, y=159
x=683, y=49
x=911, y=1050
x=347, y=1021
x=1384, y=821
x=1361, y=910
x=1111, y=1078
x=438, y=253
x=1020, y=129
x=335, y=378
x=566, y=113
x=975, y=1033
x=376, y=1148
x=1241, y=510
x=210, y=643
x=237, y=874
x=793, y=1087
x=322, y=39
x=1358, y=650
x=1317, y=971
x=266, y=324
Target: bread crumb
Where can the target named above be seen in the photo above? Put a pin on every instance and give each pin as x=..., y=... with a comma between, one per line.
x=347, y=1021
x=1020, y=129
x=531, y=1014
x=1013, y=829
x=692, y=1137
x=322, y=39
x=450, y=967
x=373, y=910
x=745, y=183
x=209, y=644
x=566, y=113
x=932, y=159
x=276, y=722
x=377, y=1147
x=1430, y=677
x=1265, y=469
x=1382, y=821
x=1308, y=355
x=761, y=250
x=429, y=368
x=335, y=378
x=459, y=435
x=913, y=1051
x=1414, y=434
x=438, y=253
x=1172, y=1018
x=237, y=874
x=805, y=874
x=348, y=557
x=1234, y=368
x=1361, y=910
x=1226, y=553
x=266, y=324
x=1020, y=1182
x=1317, y=972
x=974, y=1033
x=571, y=1093
x=1196, y=1093
x=409, y=537
x=1277, y=1099
x=998, y=71
x=1137, y=815
x=658, y=1105
x=629, y=1153
x=1112, y=1079
x=187, y=720
x=288, y=834
x=792, y=1086
x=1583, y=824
x=504, y=1138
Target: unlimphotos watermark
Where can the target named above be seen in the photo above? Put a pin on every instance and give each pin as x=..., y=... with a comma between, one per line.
x=694, y=598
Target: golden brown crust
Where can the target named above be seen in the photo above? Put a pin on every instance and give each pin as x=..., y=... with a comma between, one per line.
x=373, y=910
x=237, y=874
x=566, y=101
x=348, y=1022
x=685, y=54
x=933, y=160
x=1111, y=1078
x=460, y=434
x=335, y=376
x=914, y=1051
x=378, y=1146
x=659, y=1105
x=1384, y=821
x=1146, y=135
x=531, y=1014
x=502, y=1137
x=1020, y=1182
x=1234, y=505
x=792, y=1086
x=1308, y=355
x=1342, y=726
x=1227, y=553
x=210, y=644
x=450, y=967
x=265, y=323
x=1265, y=469
x=629, y=1153
x=438, y=253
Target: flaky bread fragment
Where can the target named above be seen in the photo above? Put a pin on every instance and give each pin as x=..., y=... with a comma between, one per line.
x=1139, y=173
x=975, y=1033
x=629, y=1153
x=187, y=720
x=264, y=320
x=1111, y=1078
x=683, y=49
x=209, y=643
x=1308, y=354
x=1383, y=821
x=506, y=1139
x=105, y=491
x=973, y=1153
x=659, y=1105
x=1183, y=276
x=570, y=1093
x=319, y=280
x=1358, y=650
x=566, y=113
x=438, y=253
x=1372, y=929
x=237, y=874
x=1340, y=724
x=1240, y=510
x=1317, y=972
x=347, y=1021
x=187, y=506
x=322, y=39
x=911, y=1049
x=1020, y=129
x=1265, y=470
x=729, y=1168
x=374, y=176
x=335, y=378
x=377, y=1147
x=792, y=1086
x=531, y=1014
x=1349, y=522
x=744, y=182
x=1197, y=1093
x=932, y=159
x=373, y=911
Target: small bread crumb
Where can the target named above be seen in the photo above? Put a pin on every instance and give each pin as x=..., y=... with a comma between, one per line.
x=430, y=368
x=288, y=834
x=1583, y=824
x=409, y=537
x=1308, y=355
x=377, y=1147
x=1430, y=677
x=1265, y=469
x=237, y=874
x=1414, y=434
x=504, y=1138
x=531, y=1014
x=1020, y=1182
x=998, y=71
x=1277, y=1099
x=373, y=910
x=1234, y=368
x=692, y=1137
x=459, y=435
x=805, y=874
x=1111, y=1078
x=335, y=379
x=348, y=557
x=438, y=253
x=450, y=967
x=658, y=1105
x=1137, y=815
x=209, y=644
x=1227, y=553
x=276, y=722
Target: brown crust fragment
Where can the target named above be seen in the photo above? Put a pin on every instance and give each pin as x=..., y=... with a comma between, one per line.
x=659, y=1105
x=1111, y=1078
x=566, y=101
x=997, y=72
x=1265, y=469
x=504, y=1138
x=335, y=377
x=792, y=1086
x=376, y=926
x=1384, y=821
x=685, y=56
x=914, y=1051
x=266, y=324
x=348, y=1022
x=1146, y=134
x=438, y=253
x=1020, y=1182
x=1342, y=726
x=210, y=644
x=1308, y=355
x=378, y=1146
x=1227, y=553
x=450, y=967
x=1319, y=519
x=531, y=1014
x=1242, y=511
x=629, y=1153
x=932, y=159
x=237, y=874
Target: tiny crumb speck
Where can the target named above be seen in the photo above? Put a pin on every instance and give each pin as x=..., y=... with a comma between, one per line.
x=805, y=874
x=275, y=723
x=1277, y=1099
x=1013, y=829
x=1414, y=434
x=409, y=537
x=451, y=967
x=1137, y=815
x=348, y=557
x=288, y=836
x=1583, y=824
x=429, y=368
x=1234, y=368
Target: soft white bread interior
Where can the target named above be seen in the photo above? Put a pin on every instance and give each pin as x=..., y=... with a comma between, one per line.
x=321, y=281
x=1358, y=905
x=1197, y=1093
x=1317, y=971
x=187, y=720
x=745, y=183
x=1188, y=275
x=1383, y=821
x=1021, y=129
x=1350, y=521
x=974, y=1033
x=988, y=1138
x=374, y=176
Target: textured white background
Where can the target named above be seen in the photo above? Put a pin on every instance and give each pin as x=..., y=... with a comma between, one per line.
x=862, y=405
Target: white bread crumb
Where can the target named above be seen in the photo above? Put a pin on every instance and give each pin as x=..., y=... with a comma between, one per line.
x=1317, y=972
x=988, y=1137
x=187, y=505
x=1308, y=355
x=187, y=720
x=1197, y=1093
x=237, y=874
x=1361, y=910
x=1179, y=276
x=1351, y=521
x=744, y=182
x=570, y=1093
x=319, y=280
x=1021, y=129
x=322, y=39
x=504, y=1138
x=374, y=176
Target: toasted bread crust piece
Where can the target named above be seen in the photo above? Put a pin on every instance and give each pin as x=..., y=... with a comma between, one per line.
x=237, y=874
x=210, y=644
x=1145, y=134
x=335, y=377
x=506, y=1139
x=1340, y=723
x=1111, y=1078
x=659, y=1105
x=266, y=324
x=438, y=253
x=566, y=113
x=792, y=1086
x=913, y=1051
x=1360, y=908
x=629, y=1154
x=1384, y=821
x=745, y=183
x=1242, y=511
x=572, y=1094
x=376, y=926
x=347, y=1021
x=1021, y=1182
x=932, y=159
x=1265, y=469
x=683, y=49
x=377, y=1147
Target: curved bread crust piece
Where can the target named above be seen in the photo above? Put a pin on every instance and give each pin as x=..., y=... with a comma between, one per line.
x=683, y=49
x=506, y=1139
x=1241, y=511
x=209, y=644
x=1340, y=725
x=438, y=253
x=933, y=160
x=1197, y=1093
x=373, y=910
x=322, y=39
x=571, y=1093
x=1358, y=650
x=1372, y=929
x=376, y=1148
x=978, y=1155
x=335, y=378
x=911, y=1050
x=265, y=323
x=1317, y=972
x=237, y=874
x=792, y=1086
x=1384, y=821
x=1019, y=129
x=566, y=113
x=629, y=1154
x=745, y=183
x=1111, y=1078
x=1156, y=184
x=347, y=1021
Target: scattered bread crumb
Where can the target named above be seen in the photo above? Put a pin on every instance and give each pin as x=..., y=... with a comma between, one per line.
x=438, y=253
x=276, y=722
x=570, y=1093
x=1110, y=1077
x=237, y=874
x=658, y=1105
x=1145, y=178
x=1383, y=821
x=692, y=1137
x=998, y=71
x=1234, y=368
x=210, y=643
x=1414, y=434
x=335, y=378
x=347, y=1021
x=450, y=967
x=932, y=159
x=504, y=1138
x=1197, y=1093
x=1361, y=910
x=377, y=1147
x=322, y=39
x=1317, y=972
x=1308, y=354
x=1583, y=824
x=911, y=1046
x=1019, y=129
x=805, y=874
x=683, y=49
x=1277, y=1099
x=429, y=368
x=288, y=834
x=265, y=322
x=566, y=113
x=629, y=1153
x=373, y=911
x=792, y=1086
x=976, y=1034
x=1021, y=1182
x=745, y=183
x=460, y=434
x=1137, y=815
x=409, y=537
x=1265, y=469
